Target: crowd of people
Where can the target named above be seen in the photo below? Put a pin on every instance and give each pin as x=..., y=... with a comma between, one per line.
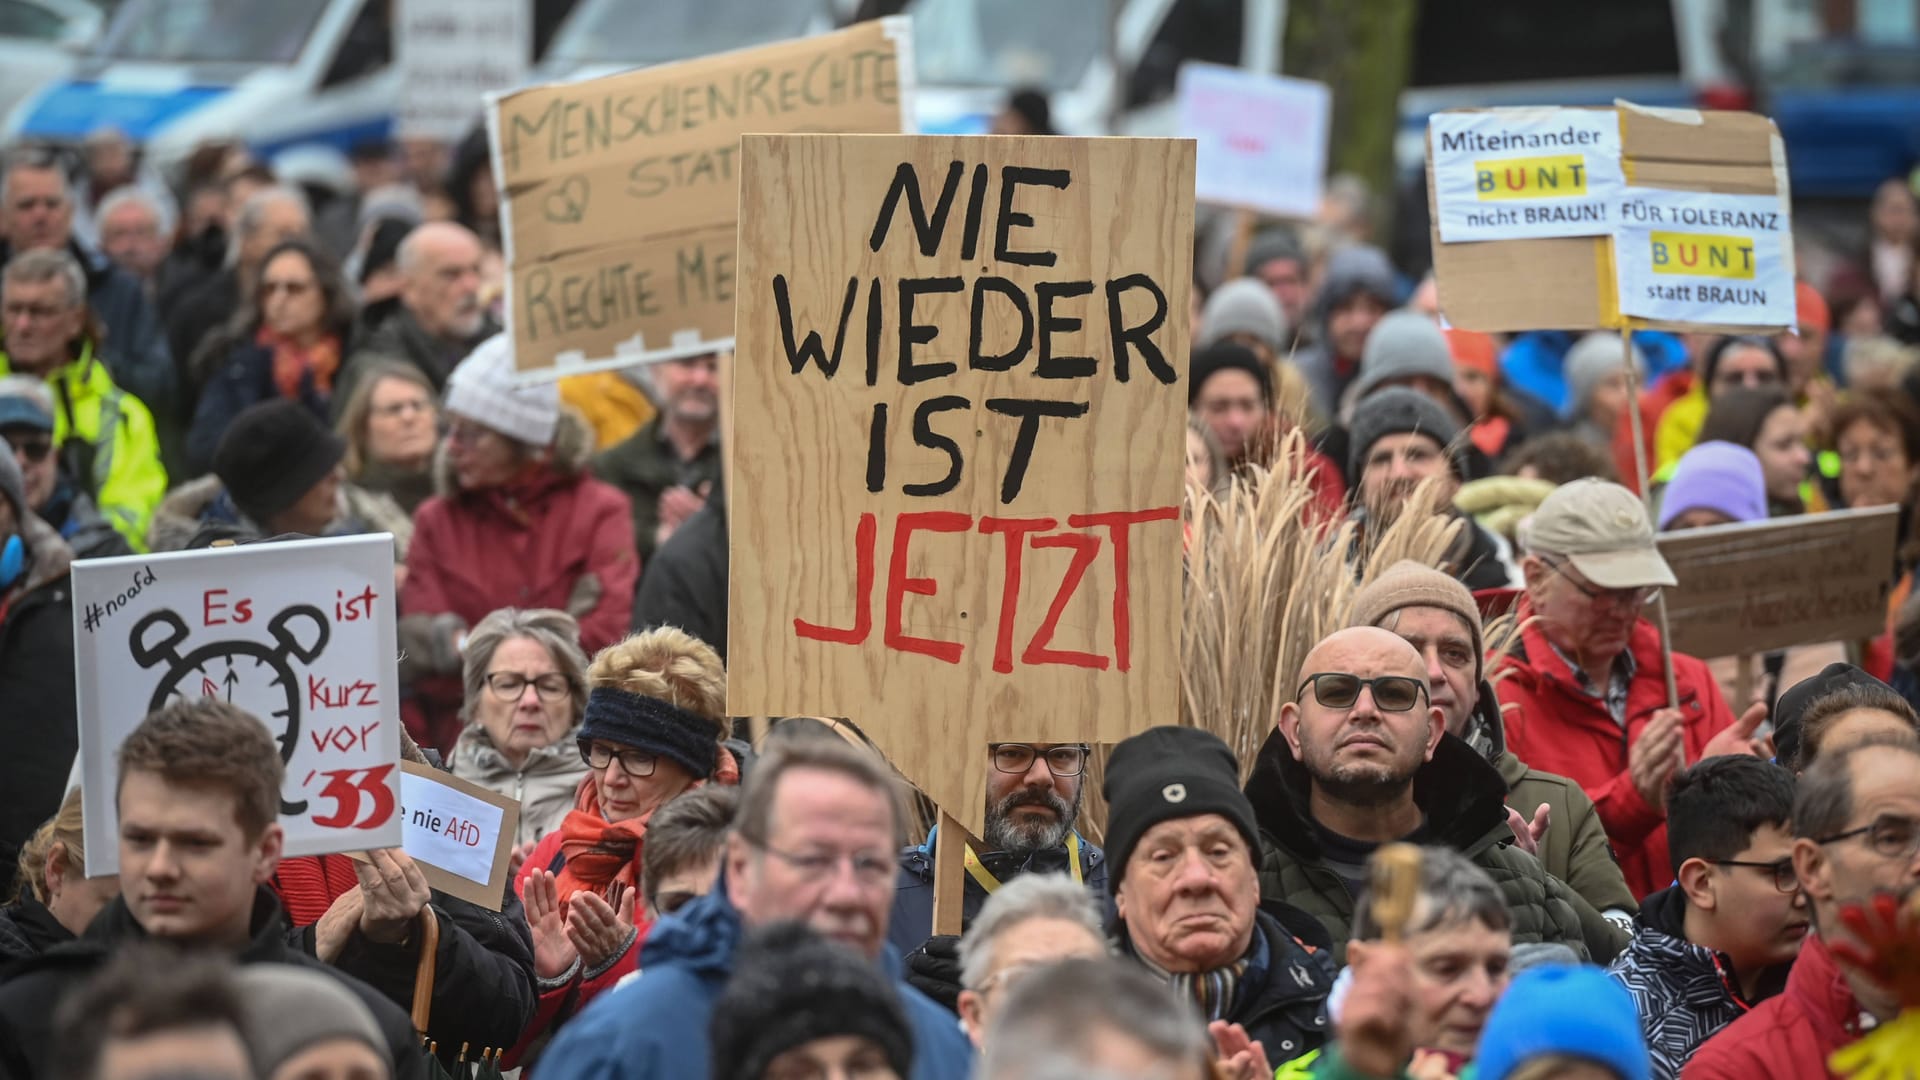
x=1631, y=864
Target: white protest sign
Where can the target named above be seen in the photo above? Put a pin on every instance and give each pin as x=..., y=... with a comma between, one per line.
x=1260, y=140
x=460, y=833
x=1687, y=256
x=300, y=634
x=1525, y=173
x=451, y=53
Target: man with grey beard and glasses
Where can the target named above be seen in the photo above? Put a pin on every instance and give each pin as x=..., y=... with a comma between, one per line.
x=1033, y=797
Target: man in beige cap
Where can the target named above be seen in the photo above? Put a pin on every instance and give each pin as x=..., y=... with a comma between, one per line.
x=1585, y=691
x=1437, y=616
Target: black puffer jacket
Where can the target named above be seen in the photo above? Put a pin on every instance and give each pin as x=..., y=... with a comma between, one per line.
x=28, y=929
x=1463, y=800
x=38, y=725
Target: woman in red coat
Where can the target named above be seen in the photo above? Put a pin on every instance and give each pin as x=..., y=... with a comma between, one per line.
x=518, y=523
x=656, y=715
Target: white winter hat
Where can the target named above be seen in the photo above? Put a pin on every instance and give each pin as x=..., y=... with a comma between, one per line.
x=482, y=389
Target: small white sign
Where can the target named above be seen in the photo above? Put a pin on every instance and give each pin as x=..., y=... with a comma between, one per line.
x=1696, y=257
x=300, y=634
x=451, y=54
x=1526, y=173
x=1261, y=140
x=448, y=828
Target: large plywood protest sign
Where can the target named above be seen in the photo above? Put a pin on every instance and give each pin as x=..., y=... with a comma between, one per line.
x=1260, y=140
x=300, y=634
x=619, y=194
x=1750, y=588
x=958, y=400
x=1619, y=218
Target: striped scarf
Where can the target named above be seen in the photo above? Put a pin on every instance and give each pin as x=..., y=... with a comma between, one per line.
x=1212, y=990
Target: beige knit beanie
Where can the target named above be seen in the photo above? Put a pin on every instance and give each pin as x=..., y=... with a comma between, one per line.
x=1408, y=584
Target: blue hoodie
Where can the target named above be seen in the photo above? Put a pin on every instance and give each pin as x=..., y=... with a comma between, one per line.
x=655, y=1027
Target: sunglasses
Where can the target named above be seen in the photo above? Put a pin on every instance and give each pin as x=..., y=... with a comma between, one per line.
x=34, y=451
x=1339, y=690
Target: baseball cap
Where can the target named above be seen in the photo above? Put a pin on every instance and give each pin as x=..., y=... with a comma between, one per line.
x=24, y=402
x=1602, y=529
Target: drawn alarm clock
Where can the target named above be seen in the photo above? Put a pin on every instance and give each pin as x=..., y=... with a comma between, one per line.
x=255, y=676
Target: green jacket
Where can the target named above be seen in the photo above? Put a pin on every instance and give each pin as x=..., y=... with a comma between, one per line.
x=107, y=442
x=1330, y=1065
x=644, y=466
x=1575, y=849
x=1463, y=800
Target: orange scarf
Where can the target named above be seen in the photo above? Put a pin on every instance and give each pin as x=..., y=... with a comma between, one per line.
x=599, y=852
x=292, y=364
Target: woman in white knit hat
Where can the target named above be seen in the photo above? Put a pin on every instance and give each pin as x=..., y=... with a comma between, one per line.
x=517, y=523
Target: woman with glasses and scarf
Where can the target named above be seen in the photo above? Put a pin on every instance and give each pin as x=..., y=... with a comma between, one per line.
x=287, y=345
x=654, y=723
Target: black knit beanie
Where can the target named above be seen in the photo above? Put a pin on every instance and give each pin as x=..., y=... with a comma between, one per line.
x=1222, y=356
x=1398, y=410
x=1165, y=773
x=272, y=454
x=791, y=986
x=659, y=727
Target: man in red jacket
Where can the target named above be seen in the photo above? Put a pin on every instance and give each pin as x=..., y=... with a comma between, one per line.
x=1856, y=825
x=1586, y=696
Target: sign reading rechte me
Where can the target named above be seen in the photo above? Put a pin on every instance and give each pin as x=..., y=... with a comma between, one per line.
x=954, y=504
x=619, y=194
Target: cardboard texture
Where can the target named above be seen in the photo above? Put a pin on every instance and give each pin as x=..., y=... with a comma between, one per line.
x=619, y=196
x=490, y=894
x=952, y=582
x=1753, y=587
x=1568, y=283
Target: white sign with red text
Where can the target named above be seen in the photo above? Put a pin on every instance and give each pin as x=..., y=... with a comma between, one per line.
x=1260, y=140
x=300, y=634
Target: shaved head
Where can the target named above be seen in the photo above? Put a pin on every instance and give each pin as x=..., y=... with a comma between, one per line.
x=1361, y=757
x=1384, y=649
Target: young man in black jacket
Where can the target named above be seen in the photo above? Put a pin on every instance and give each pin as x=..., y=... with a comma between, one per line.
x=198, y=802
x=1712, y=946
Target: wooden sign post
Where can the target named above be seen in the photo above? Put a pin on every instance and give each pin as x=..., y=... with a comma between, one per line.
x=958, y=398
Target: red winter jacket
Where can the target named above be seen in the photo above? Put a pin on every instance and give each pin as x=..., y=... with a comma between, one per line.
x=527, y=545
x=1789, y=1034
x=1555, y=727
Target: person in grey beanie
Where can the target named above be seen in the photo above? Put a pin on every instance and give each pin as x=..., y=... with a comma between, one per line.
x=1243, y=311
x=1597, y=393
x=1407, y=349
x=1358, y=288
x=1399, y=439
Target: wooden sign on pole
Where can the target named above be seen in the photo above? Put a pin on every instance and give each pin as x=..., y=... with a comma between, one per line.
x=958, y=396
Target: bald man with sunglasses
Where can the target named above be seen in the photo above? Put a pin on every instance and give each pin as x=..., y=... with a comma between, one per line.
x=1361, y=757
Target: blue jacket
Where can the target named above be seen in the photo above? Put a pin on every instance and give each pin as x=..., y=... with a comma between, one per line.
x=912, y=920
x=1533, y=362
x=655, y=1027
x=246, y=378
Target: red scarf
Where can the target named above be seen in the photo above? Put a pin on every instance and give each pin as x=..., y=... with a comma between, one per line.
x=599, y=852
x=293, y=364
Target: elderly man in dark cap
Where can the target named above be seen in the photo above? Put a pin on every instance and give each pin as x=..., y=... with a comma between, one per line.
x=1185, y=850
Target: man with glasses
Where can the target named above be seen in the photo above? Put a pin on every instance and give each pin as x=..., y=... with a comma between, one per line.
x=814, y=840
x=1584, y=692
x=1033, y=798
x=1720, y=941
x=1856, y=828
x=1362, y=758
x=1034, y=923
x=26, y=426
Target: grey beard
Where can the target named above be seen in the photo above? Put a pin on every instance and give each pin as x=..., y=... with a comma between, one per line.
x=1004, y=834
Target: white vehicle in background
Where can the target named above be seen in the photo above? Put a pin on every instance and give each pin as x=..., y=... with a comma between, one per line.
x=604, y=36
x=39, y=40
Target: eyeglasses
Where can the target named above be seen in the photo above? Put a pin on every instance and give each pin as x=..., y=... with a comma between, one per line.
x=1784, y=879
x=401, y=408
x=33, y=451
x=291, y=288
x=1889, y=837
x=1339, y=690
x=1016, y=757
x=635, y=763
x=1621, y=598
x=37, y=312
x=869, y=869
x=508, y=686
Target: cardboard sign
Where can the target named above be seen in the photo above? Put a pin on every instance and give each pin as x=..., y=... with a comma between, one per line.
x=1752, y=587
x=1529, y=173
x=300, y=634
x=959, y=395
x=1700, y=258
x=460, y=833
x=451, y=53
x=618, y=195
x=1570, y=283
x=1260, y=140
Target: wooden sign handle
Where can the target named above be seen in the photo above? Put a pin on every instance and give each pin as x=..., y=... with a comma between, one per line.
x=949, y=876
